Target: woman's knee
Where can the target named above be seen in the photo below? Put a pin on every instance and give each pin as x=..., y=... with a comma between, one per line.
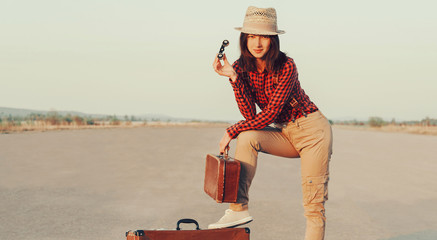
x=249, y=139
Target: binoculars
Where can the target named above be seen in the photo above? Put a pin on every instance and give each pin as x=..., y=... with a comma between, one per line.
x=225, y=43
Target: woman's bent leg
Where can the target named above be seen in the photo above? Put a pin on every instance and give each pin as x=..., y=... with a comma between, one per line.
x=249, y=143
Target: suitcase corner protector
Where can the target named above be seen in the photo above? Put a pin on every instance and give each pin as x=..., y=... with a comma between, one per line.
x=136, y=233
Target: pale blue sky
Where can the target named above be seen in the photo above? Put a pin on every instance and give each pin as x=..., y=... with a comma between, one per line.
x=355, y=58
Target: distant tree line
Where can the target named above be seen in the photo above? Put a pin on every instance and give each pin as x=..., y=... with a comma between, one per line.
x=379, y=122
x=53, y=118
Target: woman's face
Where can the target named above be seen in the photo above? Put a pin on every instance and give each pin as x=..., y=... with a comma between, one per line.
x=258, y=45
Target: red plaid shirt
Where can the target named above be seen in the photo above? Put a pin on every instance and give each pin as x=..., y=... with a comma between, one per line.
x=272, y=97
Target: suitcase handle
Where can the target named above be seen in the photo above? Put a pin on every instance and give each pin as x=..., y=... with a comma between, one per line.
x=225, y=154
x=187, y=220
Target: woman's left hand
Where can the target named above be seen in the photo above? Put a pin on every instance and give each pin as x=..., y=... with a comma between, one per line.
x=224, y=143
x=224, y=70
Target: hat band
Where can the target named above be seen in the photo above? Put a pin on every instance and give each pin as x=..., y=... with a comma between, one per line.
x=260, y=27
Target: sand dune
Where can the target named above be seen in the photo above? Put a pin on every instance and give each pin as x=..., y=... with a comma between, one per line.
x=99, y=183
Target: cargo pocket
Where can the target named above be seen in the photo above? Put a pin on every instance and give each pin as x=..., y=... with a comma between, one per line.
x=315, y=189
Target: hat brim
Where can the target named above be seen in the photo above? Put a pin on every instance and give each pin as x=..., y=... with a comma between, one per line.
x=258, y=32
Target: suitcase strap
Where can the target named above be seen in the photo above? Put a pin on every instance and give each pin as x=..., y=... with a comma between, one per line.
x=187, y=220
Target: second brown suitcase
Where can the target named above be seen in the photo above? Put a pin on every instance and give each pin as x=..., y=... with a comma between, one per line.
x=198, y=234
x=222, y=174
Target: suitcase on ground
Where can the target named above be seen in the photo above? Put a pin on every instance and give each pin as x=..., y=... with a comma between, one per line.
x=198, y=234
x=222, y=174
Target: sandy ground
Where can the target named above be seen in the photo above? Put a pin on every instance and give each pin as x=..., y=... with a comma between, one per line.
x=97, y=184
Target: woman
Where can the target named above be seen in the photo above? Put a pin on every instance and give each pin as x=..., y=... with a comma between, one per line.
x=265, y=76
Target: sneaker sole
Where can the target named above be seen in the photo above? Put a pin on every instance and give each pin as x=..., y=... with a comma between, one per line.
x=232, y=224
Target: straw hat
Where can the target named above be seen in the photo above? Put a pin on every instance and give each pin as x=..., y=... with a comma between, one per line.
x=260, y=21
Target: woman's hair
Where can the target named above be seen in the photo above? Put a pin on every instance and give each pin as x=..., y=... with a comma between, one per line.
x=274, y=57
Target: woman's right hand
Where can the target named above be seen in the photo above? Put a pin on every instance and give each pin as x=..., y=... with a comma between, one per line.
x=224, y=70
x=224, y=142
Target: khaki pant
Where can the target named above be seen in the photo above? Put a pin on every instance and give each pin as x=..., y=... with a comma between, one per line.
x=309, y=138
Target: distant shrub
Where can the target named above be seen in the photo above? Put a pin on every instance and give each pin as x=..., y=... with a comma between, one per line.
x=113, y=120
x=78, y=120
x=68, y=119
x=90, y=122
x=53, y=118
x=429, y=122
x=376, y=122
x=35, y=117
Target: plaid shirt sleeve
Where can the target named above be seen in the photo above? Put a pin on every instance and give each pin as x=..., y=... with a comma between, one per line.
x=281, y=96
x=243, y=95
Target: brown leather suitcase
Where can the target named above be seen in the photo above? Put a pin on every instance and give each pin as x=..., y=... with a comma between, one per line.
x=198, y=234
x=222, y=174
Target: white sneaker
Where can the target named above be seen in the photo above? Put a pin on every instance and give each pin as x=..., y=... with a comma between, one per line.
x=232, y=219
